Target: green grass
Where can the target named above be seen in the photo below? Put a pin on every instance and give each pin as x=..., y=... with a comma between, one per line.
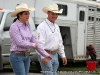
x=33, y=66
x=71, y=67
x=7, y=66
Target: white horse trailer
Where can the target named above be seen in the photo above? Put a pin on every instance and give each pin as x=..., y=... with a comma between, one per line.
x=79, y=25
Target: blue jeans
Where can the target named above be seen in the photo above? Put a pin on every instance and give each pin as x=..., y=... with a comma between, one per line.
x=20, y=63
x=51, y=67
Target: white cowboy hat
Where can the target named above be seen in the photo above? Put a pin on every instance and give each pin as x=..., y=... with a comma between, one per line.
x=20, y=8
x=53, y=8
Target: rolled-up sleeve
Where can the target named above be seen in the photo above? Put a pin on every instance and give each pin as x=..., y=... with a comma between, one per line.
x=16, y=36
x=41, y=36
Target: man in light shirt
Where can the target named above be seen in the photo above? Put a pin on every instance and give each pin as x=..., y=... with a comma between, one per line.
x=50, y=39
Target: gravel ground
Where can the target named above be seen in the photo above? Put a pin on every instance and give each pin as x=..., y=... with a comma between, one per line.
x=64, y=73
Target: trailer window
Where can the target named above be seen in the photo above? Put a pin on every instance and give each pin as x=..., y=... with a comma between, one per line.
x=81, y=15
x=1, y=15
x=64, y=7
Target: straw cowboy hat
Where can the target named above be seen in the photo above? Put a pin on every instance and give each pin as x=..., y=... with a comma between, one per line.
x=20, y=8
x=53, y=8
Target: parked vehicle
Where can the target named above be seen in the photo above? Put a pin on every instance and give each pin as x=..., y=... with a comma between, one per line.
x=5, y=21
x=79, y=25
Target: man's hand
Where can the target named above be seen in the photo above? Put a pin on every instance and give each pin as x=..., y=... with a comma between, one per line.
x=45, y=60
x=64, y=61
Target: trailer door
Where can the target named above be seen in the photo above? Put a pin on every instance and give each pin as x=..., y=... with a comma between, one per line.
x=81, y=30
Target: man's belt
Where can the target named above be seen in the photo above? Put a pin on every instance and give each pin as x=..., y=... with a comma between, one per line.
x=51, y=52
x=21, y=52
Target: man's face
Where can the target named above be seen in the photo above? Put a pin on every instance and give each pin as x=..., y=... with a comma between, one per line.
x=52, y=16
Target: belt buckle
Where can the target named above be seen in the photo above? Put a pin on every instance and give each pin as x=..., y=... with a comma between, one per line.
x=27, y=53
x=16, y=52
x=54, y=52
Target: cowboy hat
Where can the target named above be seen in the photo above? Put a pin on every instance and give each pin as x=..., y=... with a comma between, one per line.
x=20, y=8
x=53, y=8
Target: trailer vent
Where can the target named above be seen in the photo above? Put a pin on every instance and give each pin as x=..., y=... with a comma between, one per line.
x=91, y=18
x=98, y=9
x=91, y=9
x=97, y=19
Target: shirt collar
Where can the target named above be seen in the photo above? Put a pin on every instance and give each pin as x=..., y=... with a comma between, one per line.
x=20, y=23
x=50, y=23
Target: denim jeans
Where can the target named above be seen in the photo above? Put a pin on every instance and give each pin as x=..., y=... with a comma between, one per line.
x=20, y=63
x=51, y=67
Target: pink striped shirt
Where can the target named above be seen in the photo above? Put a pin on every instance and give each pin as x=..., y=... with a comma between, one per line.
x=22, y=38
